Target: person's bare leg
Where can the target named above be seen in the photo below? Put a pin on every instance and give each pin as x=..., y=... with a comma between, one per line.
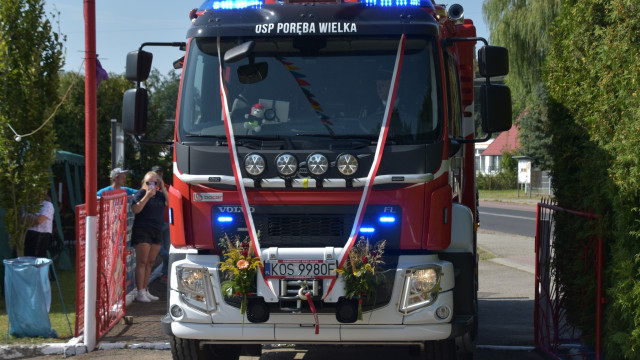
x=142, y=255
x=151, y=259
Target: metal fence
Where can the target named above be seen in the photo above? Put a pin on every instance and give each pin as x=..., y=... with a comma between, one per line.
x=554, y=332
x=112, y=257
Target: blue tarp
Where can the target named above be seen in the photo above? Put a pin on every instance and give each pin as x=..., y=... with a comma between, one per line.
x=28, y=296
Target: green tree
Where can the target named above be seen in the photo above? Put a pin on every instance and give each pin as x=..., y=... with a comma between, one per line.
x=164, y=92
x=533, y=123
x=69, y=124
x=70, y=118
x=523, y=26
x=31, y=55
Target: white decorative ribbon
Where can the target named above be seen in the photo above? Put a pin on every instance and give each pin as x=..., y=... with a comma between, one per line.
x=382, y=138
x=237, y=174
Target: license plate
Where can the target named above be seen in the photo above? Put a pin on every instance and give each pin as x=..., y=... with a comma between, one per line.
x=300, y=269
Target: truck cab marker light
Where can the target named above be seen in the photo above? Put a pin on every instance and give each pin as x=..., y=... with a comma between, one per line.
x=367, y=230
x=225, y=219
x=387, y=219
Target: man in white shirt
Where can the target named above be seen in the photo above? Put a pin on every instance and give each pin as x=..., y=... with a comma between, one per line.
x=38, y=236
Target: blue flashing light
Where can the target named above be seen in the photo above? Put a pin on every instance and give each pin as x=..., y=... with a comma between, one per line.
x=387, y=219
x=231, y=4
x=225, y=219
x=367, y=230
x=394, y=3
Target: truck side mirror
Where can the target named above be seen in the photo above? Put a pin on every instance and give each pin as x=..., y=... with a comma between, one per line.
x=493, y=61
x=134, y=111
x=138, y=65
x=496, y=108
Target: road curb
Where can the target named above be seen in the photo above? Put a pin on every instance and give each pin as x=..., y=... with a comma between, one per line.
x=68, y=350
x=514, y=264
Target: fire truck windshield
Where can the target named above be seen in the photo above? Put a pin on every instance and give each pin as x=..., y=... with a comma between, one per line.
x=306, y=87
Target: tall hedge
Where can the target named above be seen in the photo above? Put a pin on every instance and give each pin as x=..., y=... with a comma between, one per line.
x=593, y=76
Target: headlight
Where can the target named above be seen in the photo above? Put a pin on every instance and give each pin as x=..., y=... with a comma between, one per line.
x=254, y=164
x=287, y=165
x=347, y=165
x=194, y=285
x=317, y=164
x=421, y=288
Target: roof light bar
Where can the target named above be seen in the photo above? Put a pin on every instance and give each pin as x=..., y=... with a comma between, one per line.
x=256, y=4
x=230, y=4
x=395, y=3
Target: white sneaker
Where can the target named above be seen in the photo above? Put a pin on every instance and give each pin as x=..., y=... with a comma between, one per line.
x=149, y=296
x=142, y=296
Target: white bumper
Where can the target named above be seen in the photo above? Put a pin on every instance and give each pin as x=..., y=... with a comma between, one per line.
x=265, y=333
x=384, y=324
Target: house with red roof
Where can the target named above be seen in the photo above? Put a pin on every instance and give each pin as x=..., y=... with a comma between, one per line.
x=488, y=160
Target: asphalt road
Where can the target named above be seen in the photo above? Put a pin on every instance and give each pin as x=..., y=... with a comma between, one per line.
x=508, y=218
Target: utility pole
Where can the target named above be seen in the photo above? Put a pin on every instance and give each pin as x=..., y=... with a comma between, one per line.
x=91, y=161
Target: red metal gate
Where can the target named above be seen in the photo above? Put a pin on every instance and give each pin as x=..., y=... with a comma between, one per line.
x=554, y=332
x=111, y=281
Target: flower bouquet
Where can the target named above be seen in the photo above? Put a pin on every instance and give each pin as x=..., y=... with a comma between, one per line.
x=240, y=267
x=362, y=272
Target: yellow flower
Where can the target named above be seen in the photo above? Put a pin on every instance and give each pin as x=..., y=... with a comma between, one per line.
x=367, y=267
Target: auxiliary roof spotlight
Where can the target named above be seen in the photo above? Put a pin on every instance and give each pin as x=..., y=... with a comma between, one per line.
x=347, y=165
x=254, y=164
x=317, y=164
x=286, y=165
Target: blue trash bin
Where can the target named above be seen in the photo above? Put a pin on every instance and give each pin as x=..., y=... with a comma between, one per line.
x=27, y=294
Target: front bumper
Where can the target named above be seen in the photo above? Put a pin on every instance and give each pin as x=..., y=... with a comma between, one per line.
x=382, y=325
x=268, y=333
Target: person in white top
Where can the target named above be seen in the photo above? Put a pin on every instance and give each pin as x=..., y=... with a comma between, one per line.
x=38, y=236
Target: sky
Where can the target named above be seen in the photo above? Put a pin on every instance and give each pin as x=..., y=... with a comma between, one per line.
x=122, y=26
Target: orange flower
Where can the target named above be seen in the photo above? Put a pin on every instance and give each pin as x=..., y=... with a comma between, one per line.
x=242, y=264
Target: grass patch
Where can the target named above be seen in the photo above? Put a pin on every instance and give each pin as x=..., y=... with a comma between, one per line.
x=499, y=194
x=485, y=255
x=509, y=195
x=67, y=280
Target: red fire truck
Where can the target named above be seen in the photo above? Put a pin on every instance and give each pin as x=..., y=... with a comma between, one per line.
x=320, y=140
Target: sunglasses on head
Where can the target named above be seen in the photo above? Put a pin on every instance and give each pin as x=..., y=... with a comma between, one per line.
x=151, y=183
